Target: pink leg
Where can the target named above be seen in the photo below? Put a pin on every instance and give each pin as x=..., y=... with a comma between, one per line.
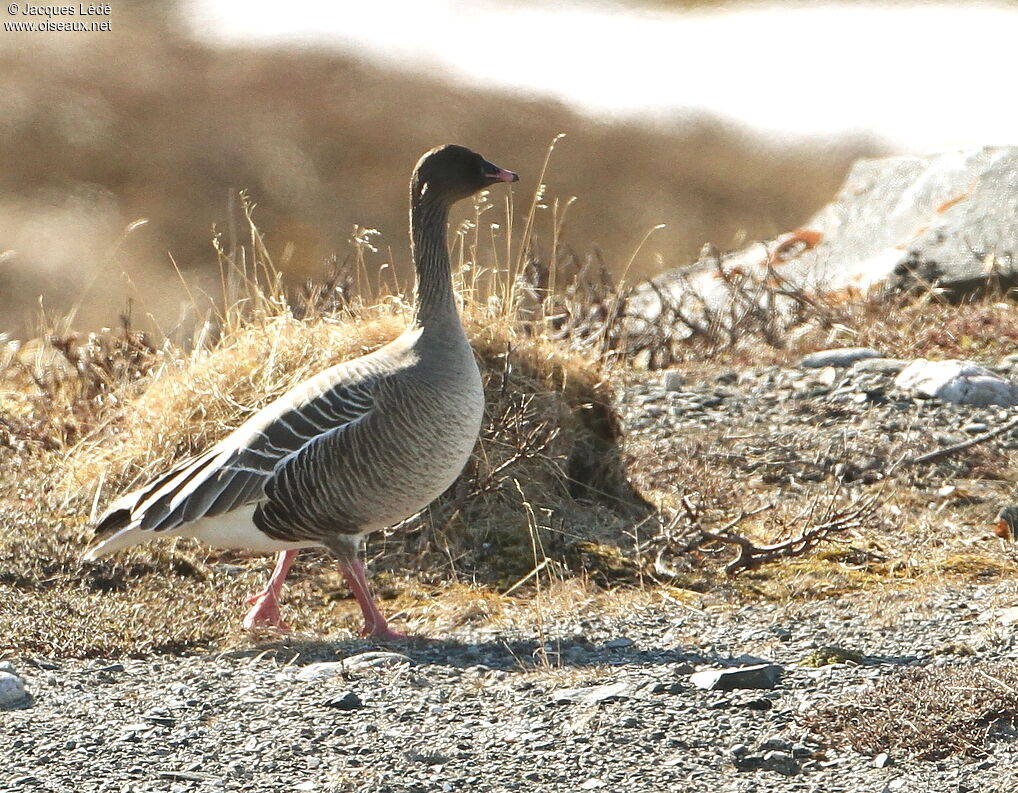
x=375, y=625
x=266, y=602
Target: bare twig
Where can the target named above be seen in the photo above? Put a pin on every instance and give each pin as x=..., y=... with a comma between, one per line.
x=751, y=555
x=947, y=451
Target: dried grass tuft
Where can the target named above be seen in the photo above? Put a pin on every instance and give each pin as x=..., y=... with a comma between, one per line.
x=927, y=713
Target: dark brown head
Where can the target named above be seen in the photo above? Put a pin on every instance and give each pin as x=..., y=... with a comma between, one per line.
x=450, y=173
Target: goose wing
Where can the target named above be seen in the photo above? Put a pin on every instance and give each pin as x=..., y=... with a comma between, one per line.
x=234, y=472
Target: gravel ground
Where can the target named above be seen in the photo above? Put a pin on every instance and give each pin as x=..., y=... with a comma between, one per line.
x=784, y=423
x=477, y=712
x=789, y=435
x=583, y=699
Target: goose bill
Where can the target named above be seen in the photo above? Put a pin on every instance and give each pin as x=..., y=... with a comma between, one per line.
x=496, y=174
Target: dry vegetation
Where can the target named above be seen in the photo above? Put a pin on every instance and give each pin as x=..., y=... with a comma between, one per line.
x=546, y=517
x=927, y=713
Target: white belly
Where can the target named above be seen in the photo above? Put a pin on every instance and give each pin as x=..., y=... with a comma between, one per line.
x=234, y=530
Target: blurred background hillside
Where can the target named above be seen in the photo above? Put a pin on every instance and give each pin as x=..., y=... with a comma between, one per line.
x=319, y=117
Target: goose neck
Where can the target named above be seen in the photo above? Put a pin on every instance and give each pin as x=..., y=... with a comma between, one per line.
x=429, y=249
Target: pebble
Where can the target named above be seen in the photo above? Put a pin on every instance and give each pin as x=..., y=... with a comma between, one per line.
x=593, y=695
x=323, y=670
x=757, y=676
x=375, y=660
x=672, y=380
x=880, y=365
x=840, y=357
x=12, y=691
x=346, y=700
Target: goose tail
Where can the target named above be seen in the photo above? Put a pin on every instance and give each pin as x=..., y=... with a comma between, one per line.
x=120, y=539
x=131, y=518
x=118, y=528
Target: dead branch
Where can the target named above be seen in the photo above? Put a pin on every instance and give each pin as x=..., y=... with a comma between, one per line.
x=947, y=451
x=751, y=555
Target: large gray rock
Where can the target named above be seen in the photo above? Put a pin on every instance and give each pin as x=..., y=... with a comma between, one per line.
x=899, y=223
x=962, y=382
x=949, y=220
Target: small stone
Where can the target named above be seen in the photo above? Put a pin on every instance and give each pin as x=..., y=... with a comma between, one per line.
x=758, y=676
x=592, y=784
x=826, y=376
x=675, y=687
x=776, y=743
x=322, y=670
x=843, y=356
x=184, y=776
x=882, y=760
x=12, y=692
x=738, y=750
x=880, y=365
x=346, y=700
x=619, y=643
x=1008, y=616
x=672, y=380
x=781, y=762
x=43, y=663
x=607, y=693
x=975, y=427
x=375, y=660
x=137, y=726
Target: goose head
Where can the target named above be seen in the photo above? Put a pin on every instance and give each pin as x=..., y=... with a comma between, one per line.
x=450, y=173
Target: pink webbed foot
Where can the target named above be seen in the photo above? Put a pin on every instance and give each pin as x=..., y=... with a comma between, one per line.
x=383, y=633
x=266, y=603
x=265, y=613
x=375, y=625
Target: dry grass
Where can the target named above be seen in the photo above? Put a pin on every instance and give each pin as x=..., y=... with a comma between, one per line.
x=546, y=496
x=85, y=417
x=929, y=713
x=980, y=329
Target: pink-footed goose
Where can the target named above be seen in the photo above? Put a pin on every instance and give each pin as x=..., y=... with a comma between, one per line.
x=358, y=447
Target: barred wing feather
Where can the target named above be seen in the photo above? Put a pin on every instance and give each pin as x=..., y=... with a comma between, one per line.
x=235, y=471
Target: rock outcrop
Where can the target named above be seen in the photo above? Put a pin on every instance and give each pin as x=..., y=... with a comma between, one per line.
x=898, y=224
